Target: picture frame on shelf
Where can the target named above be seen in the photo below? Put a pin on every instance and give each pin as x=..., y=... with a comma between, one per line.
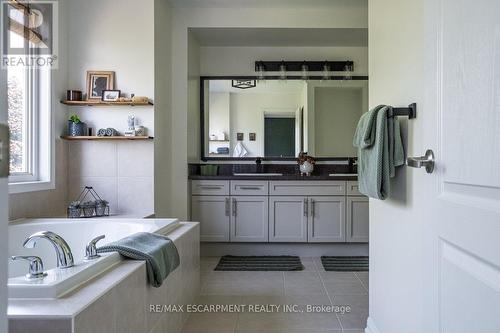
x=111, y=95
x=99, y=81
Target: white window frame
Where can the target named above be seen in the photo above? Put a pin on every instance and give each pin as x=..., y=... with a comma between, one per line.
x=39, y=129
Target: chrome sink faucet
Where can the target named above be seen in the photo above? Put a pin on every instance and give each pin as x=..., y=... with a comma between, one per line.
x=63, y=251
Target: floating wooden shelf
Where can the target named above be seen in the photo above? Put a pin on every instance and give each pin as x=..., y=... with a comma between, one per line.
x=105, y=138
x=101, y=103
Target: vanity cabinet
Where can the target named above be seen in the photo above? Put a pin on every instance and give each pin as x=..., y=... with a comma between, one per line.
x=280, y=211
x=249, y=219
x=357, y=219
x=288, y=219
x=326, y=219
x=213, y=213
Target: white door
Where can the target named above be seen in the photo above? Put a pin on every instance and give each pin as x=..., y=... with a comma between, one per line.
x=249, y=219
x=461, y=123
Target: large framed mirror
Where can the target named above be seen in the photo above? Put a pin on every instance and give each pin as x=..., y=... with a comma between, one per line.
x=244, y=118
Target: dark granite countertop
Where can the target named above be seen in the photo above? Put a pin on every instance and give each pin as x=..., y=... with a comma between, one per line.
x=284, y=177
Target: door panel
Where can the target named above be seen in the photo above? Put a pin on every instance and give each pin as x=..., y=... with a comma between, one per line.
x=462, y=203
x=357, y=221
x=213, y=214
x=288, y=219
x=249, y=219
x=326, y=219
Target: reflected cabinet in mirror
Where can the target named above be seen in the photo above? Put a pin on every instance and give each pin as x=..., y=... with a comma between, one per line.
x=278, y=119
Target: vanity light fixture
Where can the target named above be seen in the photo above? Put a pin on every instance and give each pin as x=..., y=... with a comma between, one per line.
x=243, y=84
x=304, y=69
x=283, y=71
x=348, y=69
x=326, y=72
x=260, y=68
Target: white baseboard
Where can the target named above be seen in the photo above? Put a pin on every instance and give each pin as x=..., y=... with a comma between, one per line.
x=370, y=327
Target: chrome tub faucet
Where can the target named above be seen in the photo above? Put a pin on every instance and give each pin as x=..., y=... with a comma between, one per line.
x=63, y=251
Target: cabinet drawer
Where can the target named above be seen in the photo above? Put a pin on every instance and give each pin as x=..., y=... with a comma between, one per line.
x=249, y=187
x=210, y=187
x=305, y=188
x=353, y=189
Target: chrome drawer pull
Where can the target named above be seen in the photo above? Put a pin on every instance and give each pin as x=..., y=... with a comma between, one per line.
x=250, y=188
x=207, y=187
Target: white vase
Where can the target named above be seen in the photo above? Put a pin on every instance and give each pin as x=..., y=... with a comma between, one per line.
x=306, y=168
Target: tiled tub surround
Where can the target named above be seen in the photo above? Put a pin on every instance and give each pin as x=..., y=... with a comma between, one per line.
x=119, y=299
x=120, y=172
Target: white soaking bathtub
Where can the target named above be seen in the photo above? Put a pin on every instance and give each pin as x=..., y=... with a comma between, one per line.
x=77, y=233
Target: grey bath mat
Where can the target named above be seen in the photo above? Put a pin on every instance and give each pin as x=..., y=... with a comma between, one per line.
x=263, y=263
x=345, y=264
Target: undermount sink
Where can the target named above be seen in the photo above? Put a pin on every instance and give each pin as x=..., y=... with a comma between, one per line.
x=343, y=175
x=258, y=174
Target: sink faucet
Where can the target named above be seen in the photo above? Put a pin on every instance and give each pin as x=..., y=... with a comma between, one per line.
x=63, y=251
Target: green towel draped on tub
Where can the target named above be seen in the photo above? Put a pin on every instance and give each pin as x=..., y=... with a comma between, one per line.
x=158, y=251
x=380, y=151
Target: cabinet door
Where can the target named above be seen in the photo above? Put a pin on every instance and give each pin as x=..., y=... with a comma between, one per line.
x=249, y=219
x=213, y=214
x=288, y=219
x=357, y=220
x=326, y=219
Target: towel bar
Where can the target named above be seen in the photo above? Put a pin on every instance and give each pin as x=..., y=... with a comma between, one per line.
x=410, y=111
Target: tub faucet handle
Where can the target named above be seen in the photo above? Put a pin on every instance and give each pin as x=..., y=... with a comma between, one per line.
x=91, y=249
x=36, y=266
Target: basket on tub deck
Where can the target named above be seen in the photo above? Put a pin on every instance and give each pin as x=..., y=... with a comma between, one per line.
x=94, y=208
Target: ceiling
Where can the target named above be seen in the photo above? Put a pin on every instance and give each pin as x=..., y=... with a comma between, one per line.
x=281, y=36
x=257, y=3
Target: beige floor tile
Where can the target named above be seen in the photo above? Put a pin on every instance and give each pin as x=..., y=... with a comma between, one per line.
x=356, y=319
x=210, y=323
x=342, y=283
x=303, y=283
x=243, y=283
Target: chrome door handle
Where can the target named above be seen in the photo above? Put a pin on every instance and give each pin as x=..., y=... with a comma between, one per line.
x=312, y=207
x=4, y=151
x=426, y=161
x=234, y=207
x=227, y=207
x=306, y=208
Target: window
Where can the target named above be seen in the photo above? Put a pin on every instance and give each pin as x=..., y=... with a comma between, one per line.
x=28, y=97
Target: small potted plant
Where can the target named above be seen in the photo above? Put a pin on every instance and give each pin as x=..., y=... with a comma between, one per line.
x=76, y=127
x=306, y=164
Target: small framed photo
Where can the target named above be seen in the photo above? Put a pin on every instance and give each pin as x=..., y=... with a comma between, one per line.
x=97, y=82
x=110, y=95
x=252, y=136
x=239, y=136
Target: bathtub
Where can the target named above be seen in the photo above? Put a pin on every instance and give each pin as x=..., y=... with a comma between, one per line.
x=77, y=233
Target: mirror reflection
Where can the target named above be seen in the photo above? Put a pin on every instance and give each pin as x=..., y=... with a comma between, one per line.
x=279, y=119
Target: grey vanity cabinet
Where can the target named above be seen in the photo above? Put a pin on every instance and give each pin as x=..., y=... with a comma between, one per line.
x=288, y=219
x=326, y=219
x=249, y=219
x=213, y=213
x=357, y=219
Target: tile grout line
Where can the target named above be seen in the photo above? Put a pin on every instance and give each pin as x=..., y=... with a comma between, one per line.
x=361, y=283
x=330, y=298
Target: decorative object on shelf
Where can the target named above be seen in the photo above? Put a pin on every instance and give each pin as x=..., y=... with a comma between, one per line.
x=111, y=131
x=97, y=82
x=306, y=164
x=139, y=99
x=213, y=137
x=93, y=208
x=101, y=132
x=239, y=136
x=131, y=126
x=110, y=95
x=122, y=99
x=140, y=131
x=244, y=84
x=252, y=136
x=348, y=69
x=74, y=95
x=75, y=126
x=223, y=150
